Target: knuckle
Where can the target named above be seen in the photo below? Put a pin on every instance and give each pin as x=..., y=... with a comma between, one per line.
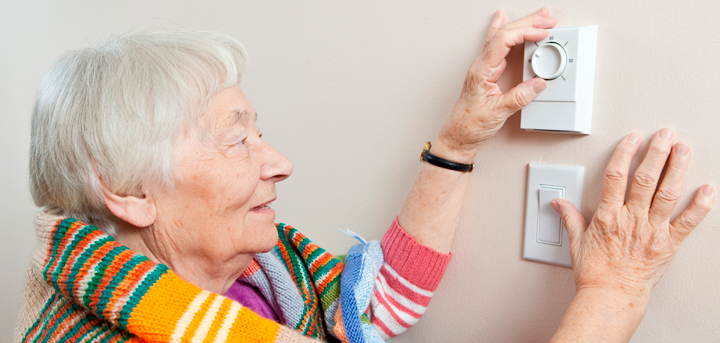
x=667, y=195
x=521, y=100
x=662, y=149
x=615, y=175
x=604, y=220
x=689, y=222
x=645, y=180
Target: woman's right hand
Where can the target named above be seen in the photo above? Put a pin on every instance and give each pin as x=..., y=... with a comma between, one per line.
x=628, y=245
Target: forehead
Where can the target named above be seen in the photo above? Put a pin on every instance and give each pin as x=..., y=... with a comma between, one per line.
x=230, y=106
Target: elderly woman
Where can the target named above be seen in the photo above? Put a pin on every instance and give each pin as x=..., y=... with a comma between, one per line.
x=156, y=187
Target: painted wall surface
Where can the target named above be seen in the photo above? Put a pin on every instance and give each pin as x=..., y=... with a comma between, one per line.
x=350, y=91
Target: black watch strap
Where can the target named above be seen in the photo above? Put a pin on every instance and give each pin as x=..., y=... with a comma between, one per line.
x=426, y=156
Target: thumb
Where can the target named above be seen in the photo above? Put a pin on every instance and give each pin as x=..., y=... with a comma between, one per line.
x=521, y=95
x=572, y=219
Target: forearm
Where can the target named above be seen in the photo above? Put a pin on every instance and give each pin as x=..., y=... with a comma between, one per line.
x=431, y=210
x=601, y=316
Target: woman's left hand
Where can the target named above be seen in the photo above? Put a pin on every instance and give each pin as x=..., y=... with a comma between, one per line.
x=482, y=108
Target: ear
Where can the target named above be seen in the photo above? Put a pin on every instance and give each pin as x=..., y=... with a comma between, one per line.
x=138, y=211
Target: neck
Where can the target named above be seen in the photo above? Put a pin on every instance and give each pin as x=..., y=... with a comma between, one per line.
x=207, y=272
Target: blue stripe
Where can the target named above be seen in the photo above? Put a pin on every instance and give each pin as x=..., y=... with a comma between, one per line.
x=348, y=303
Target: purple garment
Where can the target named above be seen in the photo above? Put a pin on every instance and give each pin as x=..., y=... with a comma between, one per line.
x=250, y=297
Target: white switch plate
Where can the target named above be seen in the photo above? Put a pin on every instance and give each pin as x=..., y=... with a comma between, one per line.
x=570, y=180
x=565, y=106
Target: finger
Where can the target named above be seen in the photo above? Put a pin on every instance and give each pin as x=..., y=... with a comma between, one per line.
x=612, y=195
x=504, y=39
x=668, y=194
x=693, y=214
x=573, y=221
x=495, y=24
x=493, y=75
x=521, y=95
x=540, y=19
x=648, y=173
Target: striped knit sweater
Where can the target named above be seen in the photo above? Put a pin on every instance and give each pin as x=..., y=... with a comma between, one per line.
x=82, y=286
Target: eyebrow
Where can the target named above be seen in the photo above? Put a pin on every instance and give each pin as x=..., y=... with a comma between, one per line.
x=236, y=116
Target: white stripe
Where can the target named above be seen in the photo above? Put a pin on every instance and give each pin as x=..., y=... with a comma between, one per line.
x=222, y=334
x=83, y=284
x=407, y=283
x=205, y=324
x=382, y=314
x=407, y=318
x=390, y=292
x=188, y=316
x=59, y=254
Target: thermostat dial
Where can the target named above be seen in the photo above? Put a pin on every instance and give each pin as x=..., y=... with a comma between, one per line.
x=549, y=61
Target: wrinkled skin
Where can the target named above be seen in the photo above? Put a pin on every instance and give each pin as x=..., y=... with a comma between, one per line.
x=482, y=108
x=629, y=245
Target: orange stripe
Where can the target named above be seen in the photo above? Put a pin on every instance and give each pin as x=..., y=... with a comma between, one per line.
x=63, y=245
x=96, y=256
x=110, y=272
x=81, y=246
x=54, y=319
x=222, y=312
x=50, y=246
x=155, y=316
x=319, y=262
x=198, y=317
x=128, y=283
x=250, y=327
x=332, y=275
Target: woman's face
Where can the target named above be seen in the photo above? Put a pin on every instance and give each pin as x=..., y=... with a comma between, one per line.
x=224, y=185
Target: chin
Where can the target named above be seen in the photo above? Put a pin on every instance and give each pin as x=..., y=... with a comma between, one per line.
x=267, y=239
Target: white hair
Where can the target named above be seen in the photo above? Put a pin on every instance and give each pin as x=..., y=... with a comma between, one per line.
x=112, y=112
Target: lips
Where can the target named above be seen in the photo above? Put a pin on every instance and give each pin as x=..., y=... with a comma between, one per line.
x=263, y=205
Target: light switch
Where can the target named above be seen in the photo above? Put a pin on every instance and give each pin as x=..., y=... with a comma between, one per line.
x=566, y=59
x=549, y=229
x=546, y=239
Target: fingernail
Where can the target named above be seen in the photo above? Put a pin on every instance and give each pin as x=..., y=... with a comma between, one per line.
x=708, y=190
x=555, y=205
x=682, y=149
x=666, y=134
x=539, y=87
x=541, y=9
x=634, y=138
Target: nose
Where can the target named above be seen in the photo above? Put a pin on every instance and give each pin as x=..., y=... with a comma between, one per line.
x=276, y=167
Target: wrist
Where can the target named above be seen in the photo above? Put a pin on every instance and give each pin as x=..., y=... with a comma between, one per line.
x=602, y=315
x=453, y=152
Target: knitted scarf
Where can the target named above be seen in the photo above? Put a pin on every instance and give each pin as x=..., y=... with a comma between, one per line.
x=84, y=287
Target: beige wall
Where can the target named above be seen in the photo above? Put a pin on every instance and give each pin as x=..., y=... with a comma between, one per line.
x=351, y=90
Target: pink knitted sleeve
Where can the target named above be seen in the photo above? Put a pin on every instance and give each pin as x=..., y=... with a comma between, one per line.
x=406, y=282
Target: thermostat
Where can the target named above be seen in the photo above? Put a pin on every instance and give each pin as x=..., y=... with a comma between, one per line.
x=566, y=59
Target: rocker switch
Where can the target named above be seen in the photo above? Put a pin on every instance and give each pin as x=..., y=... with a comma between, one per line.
x=549, y=229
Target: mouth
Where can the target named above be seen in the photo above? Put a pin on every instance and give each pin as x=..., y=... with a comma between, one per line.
x=263, y=205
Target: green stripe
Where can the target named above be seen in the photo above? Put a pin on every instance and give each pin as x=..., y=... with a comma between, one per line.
x=107, y=293
x=330, y=293
x=61, y=320
x=293, y=268
x=49, y=314
x=155, y=274
x=57, y=238
x=46, y=307
x=69, y=251
x=82, y=260
x=100, y=272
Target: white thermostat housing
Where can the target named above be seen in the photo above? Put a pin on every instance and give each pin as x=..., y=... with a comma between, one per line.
x=566, y=59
